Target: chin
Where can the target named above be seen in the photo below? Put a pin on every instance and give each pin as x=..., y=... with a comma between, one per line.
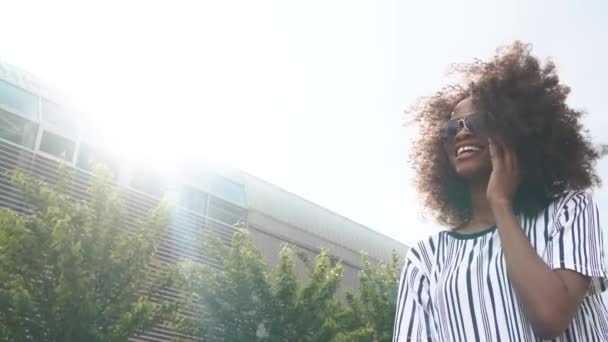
x=471, y=171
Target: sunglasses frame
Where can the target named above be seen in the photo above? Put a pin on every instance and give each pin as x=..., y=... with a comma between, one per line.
x=462, y=123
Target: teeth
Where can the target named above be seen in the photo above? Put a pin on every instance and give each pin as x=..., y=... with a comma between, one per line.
x=463, y=149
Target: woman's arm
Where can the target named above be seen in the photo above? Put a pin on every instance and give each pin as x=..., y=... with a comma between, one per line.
x=550, y=298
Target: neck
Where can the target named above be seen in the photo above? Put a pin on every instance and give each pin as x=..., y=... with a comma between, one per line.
x=481, y=212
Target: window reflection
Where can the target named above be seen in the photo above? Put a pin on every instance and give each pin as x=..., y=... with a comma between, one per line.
x=57, y=145
x=18, y=99
x=228, y=190
x=225, y=212
x=193, y=199
x=17, y=130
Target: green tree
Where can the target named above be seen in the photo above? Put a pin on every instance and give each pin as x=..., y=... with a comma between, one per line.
x=228, y=304
x=370, y=311
x=307, y=312
x=243, y=301
x=73, y=271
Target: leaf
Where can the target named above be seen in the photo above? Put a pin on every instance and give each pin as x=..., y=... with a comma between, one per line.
x=72, y=270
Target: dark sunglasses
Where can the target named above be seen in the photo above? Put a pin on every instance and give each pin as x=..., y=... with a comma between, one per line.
x=473, y=122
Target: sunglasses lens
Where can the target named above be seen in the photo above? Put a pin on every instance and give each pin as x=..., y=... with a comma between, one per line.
x=449, y=129
x=473, y=122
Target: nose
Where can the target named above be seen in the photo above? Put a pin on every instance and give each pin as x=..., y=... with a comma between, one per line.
x=463, y=132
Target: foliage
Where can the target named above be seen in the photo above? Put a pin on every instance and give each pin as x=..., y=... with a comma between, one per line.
x=308, y=312
x=231, y=303
x=369, y=314
x=242, y=301
x=73, y=271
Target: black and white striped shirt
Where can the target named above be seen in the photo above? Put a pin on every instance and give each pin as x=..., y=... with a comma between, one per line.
x=455, y=287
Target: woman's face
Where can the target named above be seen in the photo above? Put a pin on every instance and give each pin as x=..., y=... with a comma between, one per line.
x=468, y=152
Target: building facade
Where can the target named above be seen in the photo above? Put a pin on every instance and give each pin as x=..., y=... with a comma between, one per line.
x=38, y=133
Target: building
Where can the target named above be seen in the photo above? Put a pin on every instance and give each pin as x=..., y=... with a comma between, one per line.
x=37, y=133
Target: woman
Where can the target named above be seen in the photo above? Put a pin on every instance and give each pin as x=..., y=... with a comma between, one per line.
x=504, y=162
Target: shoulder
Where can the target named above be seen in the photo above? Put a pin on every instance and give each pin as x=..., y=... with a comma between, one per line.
x=571, y=208
x=421, y=254
x=572, y=202
x=573, y=197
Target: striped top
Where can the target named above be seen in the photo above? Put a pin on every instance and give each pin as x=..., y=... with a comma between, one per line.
x=455, y=287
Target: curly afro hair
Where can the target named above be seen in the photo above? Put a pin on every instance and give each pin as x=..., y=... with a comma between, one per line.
x=525, y=107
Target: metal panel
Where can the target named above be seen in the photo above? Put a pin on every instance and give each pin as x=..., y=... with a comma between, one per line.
x=269, y=200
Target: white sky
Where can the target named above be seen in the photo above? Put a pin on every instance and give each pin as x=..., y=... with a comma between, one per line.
x=308, y=95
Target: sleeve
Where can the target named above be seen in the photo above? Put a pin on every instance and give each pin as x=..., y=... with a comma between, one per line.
x=577, y=241
x=412, y=319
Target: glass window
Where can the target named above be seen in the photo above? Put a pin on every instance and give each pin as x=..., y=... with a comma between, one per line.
x=17, y=130
x=18, y=99
x=57, y=145
x=228, y=190
x=88, y=156
x=225, y=212
x=57, y=115
x=193, y=199
x=149, y=183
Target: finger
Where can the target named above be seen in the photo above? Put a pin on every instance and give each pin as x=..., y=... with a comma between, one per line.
x=494, y=150
x=509, y=156
x=510, y=161
x=499, y=147
x=513, y=162
x=494, y=158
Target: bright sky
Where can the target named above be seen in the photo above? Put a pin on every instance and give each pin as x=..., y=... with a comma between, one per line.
x=308, y=95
